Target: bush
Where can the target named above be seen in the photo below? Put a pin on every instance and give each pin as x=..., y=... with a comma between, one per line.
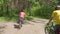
x=43, y=11
x=28, y=18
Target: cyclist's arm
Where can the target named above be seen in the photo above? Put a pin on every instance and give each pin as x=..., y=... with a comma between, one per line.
x=51, y=18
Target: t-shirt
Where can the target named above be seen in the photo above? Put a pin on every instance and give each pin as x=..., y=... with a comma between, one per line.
x=22, y=14
x=56, y=16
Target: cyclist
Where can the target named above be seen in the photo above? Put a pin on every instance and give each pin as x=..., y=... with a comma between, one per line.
x=21, y=19
x=56, y=16
x=21, y=16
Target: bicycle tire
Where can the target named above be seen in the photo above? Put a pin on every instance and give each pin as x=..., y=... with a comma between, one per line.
x=46, y=31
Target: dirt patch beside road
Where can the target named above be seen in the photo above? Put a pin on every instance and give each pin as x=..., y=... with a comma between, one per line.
x=32, y=27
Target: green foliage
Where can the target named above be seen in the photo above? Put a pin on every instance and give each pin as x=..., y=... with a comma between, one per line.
x=36, y=8
x=28, y=18
x=43, y=9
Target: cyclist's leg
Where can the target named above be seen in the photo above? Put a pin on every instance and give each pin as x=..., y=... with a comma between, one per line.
x=22, y=20
x=57, y=29
x=19, y=23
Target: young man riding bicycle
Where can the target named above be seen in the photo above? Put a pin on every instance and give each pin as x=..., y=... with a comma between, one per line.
x=56, y=17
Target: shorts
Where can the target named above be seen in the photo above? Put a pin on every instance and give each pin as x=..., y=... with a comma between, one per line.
x=57, y=29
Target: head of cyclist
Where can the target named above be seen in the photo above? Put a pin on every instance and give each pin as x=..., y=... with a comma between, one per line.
x=57, y=7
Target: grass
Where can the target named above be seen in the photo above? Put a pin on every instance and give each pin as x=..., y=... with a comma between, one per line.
x=14, y=19
x=4, y=19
